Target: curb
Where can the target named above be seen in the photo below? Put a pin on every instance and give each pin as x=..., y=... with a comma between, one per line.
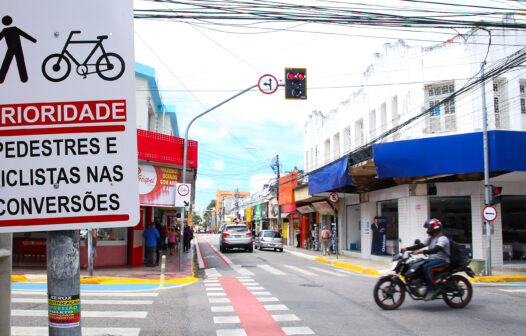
x=496, y=279
x=110, y=281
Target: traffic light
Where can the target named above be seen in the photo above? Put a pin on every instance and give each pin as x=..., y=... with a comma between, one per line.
x=496, y=195
x=295, y=83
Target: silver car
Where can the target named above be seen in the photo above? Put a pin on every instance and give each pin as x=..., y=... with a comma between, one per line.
x=269, y=239
x=235, y=236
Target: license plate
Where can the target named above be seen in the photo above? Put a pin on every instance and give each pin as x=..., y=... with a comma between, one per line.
x=237, y=236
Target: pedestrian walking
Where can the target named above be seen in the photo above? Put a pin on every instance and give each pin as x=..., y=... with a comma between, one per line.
x=164, y=237
x=326, y=235
x=151, y=236
x=172, y=241
x=298, y=237
x=159, y=228
x=188, y=236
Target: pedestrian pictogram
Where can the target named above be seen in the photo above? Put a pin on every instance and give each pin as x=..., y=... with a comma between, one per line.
x=109, y=66
x=268, y=84
x=333, y=197
x=489, y=213
x=12, y=37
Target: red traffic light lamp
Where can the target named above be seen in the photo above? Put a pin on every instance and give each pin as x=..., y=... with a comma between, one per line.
x=295, y=83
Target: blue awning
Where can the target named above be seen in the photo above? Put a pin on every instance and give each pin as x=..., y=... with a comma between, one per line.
x=453, y=154
x=330, y=177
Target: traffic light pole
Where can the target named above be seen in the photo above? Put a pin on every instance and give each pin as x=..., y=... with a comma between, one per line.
x=486, y=168
x=181, y=247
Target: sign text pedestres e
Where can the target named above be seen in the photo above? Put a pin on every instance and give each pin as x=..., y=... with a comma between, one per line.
x=68, y=142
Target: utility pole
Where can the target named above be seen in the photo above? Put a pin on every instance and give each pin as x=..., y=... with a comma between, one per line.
x=277, y=193
x=6, y=240
x=185, y=153
x=486, y=168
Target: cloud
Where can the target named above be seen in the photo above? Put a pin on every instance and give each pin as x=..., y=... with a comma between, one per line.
x=205, y=183
x=218, y=164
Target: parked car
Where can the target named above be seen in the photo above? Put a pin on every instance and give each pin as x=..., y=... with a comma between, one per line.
x=235, y=236
x=269, y=239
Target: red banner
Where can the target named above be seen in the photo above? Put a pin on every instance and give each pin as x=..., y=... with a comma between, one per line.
x=157, y=185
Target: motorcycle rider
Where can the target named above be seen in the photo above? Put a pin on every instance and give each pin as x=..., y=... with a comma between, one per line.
x=438, y=251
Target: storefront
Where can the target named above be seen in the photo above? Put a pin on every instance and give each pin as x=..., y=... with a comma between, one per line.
x=513, y=209
x=388, y=211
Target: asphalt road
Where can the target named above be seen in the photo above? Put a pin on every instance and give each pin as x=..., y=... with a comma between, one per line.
x=267, y=293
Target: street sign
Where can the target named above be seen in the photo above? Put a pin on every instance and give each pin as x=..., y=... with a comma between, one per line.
x=333, y=197
x=489, y=213
x=67, y=115
x=268, y=84
x=182, y=194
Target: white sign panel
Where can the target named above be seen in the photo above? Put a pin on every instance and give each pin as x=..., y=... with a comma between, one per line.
x=68, y=142
x=489, y=213
x=182, y=194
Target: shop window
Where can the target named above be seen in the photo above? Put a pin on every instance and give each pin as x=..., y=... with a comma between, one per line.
x=455, y=215
x=513, y=209
x=389, y=211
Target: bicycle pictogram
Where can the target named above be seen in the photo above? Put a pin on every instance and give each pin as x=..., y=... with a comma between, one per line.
x=109, y=66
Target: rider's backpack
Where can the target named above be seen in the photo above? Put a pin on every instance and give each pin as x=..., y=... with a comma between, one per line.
x=459, y=254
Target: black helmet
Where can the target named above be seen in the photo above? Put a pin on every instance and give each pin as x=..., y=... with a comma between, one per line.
x=433, y=225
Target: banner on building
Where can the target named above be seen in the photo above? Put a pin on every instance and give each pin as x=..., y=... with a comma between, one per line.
x=323, y=208
x=305, y=209
x=157, y=185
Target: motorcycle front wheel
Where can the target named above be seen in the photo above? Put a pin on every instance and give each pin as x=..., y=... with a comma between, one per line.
x=389, y=293
x=459, y=292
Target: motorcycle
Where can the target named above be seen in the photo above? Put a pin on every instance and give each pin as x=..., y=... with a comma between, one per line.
x=389, y=291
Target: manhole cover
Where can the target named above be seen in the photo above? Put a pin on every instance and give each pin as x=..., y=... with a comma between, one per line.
x=310, y=285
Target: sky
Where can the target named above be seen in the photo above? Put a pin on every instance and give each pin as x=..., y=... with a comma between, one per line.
x=200, y=65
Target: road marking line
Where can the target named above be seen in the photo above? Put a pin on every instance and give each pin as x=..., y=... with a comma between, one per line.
x=214, y=288
x=272, y=270
x=297, y=269
x=230, y=332
x=244, y=278
x=221, y=309
x=241, y=270
x=227, y=319
x=327, y=271
x=298, y=331
x=84, y=313
x=211, y=281
x=216, y=294
x=261, y=293
x=214, y=284
x=212, y=272
x=88, y=301
x=88, y=293
x=218, y=300
x=251, y=288
x=275, y=307
x=268, y=299
x=286, y=317
x=256, y=320
x=39, y=331
x=514, y=290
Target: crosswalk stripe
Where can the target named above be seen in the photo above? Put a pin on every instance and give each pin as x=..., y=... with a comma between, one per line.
x=212, y=272
x=231, y=332
x=211, y=289
x=211, y=285
x=241, y=270
x=88, y=301
x=227, y=319
x=286, y=318
x=88, y=293
x=298, y=331
x=275, y=307
x=216, y=294
x=218, y=300
x=297, y=269
x=251, y=288
x=327, y=271
x=221, y=309
x=268, y=299
x=272, y=270
x=39, y=331
x=84, y=313
x=260, y=293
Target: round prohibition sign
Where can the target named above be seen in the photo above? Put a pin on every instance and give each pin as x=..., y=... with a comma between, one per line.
x=333, y=197
x=268, y=84
x=489, y=213
x=183, y=190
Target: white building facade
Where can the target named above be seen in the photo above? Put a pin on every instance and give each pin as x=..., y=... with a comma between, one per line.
x=393, y=170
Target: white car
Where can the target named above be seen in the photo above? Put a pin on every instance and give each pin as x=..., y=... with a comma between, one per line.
x=269, y=239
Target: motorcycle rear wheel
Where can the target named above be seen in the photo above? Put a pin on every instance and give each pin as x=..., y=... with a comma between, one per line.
x=459, y=293
x=389, y=293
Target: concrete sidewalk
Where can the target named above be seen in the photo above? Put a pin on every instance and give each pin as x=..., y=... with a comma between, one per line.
x=121, y=274
x=382, y=265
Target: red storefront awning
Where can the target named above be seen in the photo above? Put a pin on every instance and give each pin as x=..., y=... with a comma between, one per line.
x=164, y=148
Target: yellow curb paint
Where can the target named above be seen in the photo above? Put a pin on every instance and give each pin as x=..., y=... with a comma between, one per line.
x=18, y=278
x=111, y=281
x=371, y=271
x=322, y=260
x=492, y=279
x=348, y=266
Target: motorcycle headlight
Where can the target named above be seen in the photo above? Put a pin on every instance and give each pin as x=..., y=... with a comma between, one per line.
x=393, y=265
